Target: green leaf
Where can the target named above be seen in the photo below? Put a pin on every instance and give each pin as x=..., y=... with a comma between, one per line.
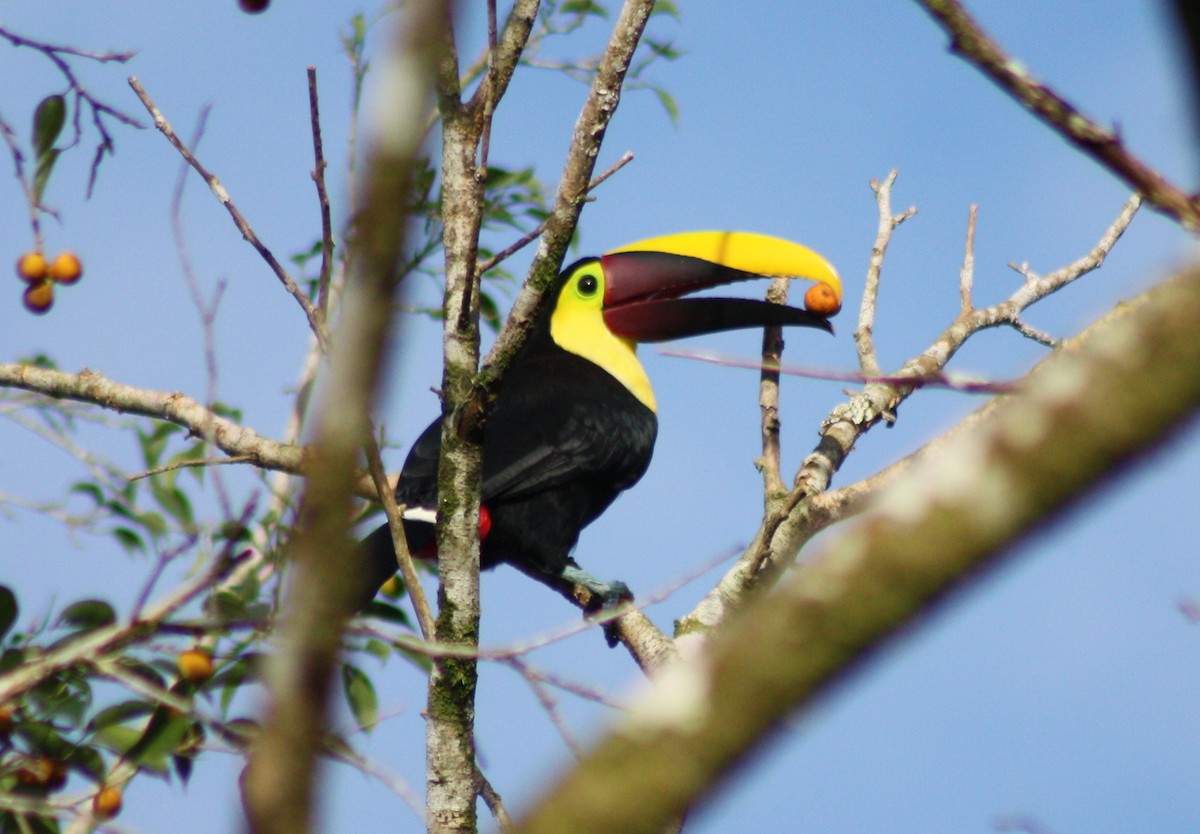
x=226, y=605
x=41, y=173
x=421, y=661
x=153, y=443
x=119, y=714
x=145, y=671
x=65, y=697
x=668, y=102
x=387, y=612
x=88, y=614
x=163, y=736
x=488, y=311
x=118, y=738
x=360, y=696
x=183, y=767
x=154, y=523
x=129, y=540
x=173, y=501
x=91, y=490
x=378, y=649
x=234, y=675
x=87, y=760
x=11, y=659
x=48, y=121
x=8, y=609
x=584, y=7
x=666, y=7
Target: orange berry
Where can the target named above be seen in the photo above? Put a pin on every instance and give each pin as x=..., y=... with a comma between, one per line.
x=32, y=267
x=39, y=297
x=822, y=299
x=107, y=802
x=42, y=772
x=7, y=721
x=195, y=665
x=393, y=587
x=66, y=268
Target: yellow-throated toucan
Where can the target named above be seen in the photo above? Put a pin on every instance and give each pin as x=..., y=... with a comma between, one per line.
x=573, y=423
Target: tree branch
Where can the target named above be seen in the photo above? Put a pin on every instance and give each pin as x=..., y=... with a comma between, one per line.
x=278, y=784
x=222, y=195
x=973, y=44
x=603, y=98
x=91, y=387
x=1098, y=403
x=786, y=529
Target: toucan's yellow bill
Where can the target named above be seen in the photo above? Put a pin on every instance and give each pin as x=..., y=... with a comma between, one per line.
x=749, y=252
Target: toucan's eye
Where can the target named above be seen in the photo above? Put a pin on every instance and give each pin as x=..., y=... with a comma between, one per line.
x=588, y=285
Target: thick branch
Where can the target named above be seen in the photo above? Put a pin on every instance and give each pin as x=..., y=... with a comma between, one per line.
x=970, y=41
x=1097, y=403
x=90, y=387
x=786, y=529
x=279, y=783
x=451, y=775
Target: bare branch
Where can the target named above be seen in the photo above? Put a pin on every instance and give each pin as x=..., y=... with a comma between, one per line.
x=387, y=498
x=279, y=785
x=973, y=44
x=768, y=399
x=1039, y=452
x=603, y=98
x=863, y=334
x=218, y=190
x=785, y=530
x=91, y=387
x=966, y=275
x=318, y=176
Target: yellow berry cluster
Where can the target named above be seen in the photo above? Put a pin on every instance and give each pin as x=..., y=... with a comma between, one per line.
x=42, y=275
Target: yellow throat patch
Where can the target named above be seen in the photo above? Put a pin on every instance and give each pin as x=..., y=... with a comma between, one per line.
x=577, y=326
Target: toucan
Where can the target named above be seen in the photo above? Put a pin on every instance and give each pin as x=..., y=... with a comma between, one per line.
x=574, y=419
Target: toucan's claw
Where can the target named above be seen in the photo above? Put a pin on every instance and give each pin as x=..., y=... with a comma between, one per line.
x=605, y=597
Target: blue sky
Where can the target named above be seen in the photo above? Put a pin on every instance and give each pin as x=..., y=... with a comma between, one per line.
x=1061, y=686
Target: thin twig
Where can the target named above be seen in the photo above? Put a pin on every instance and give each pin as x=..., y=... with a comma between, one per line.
x=966, y=275
x=550, y=704
x=808, y=509
x=972, y=43
x=768, y=398
x=318, y=176
x=206, y=310
x=965, y=383
x=189, y=464
x=495, y=804
x=218, y=190
x=868, y=359
x=403, y=555
x=525, y=240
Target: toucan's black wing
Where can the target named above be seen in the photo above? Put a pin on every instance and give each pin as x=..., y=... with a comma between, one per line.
x=559, y=418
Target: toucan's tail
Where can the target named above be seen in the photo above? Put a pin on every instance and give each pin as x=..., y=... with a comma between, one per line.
x=377, y=557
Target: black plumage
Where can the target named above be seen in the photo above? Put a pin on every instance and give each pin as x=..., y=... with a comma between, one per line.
x=573, y=423
x=563, y=440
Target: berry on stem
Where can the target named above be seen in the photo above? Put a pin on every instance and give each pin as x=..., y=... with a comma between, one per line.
x=32, y=267
x=39, y=297
x=66, y=268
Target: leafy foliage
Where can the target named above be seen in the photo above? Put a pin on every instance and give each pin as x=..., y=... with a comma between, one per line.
x=97, y=692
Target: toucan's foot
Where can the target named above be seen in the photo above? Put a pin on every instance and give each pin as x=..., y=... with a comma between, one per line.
x=606, y=596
